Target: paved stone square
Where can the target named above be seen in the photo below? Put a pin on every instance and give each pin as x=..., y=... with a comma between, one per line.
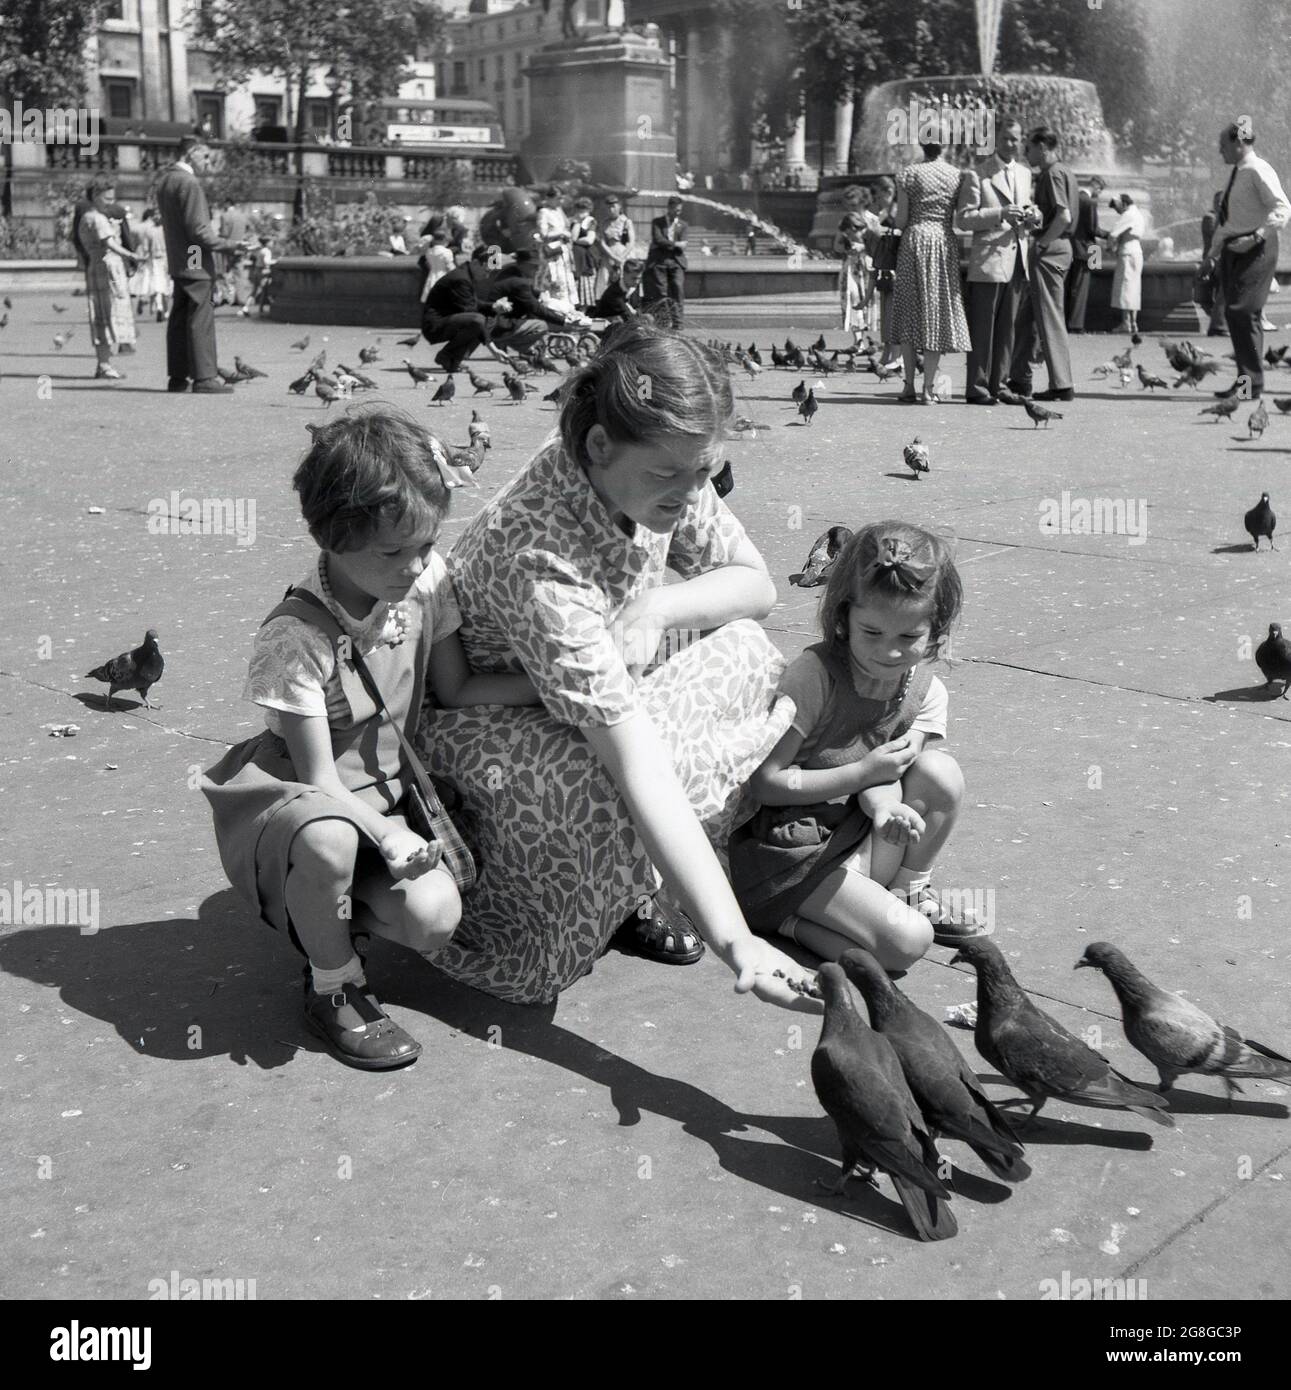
x=651, y=1134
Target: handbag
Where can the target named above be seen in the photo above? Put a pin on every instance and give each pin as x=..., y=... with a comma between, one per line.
x=1203, y=288
x=427, y=814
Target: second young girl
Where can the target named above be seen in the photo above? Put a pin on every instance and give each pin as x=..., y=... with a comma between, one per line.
x=855, y=802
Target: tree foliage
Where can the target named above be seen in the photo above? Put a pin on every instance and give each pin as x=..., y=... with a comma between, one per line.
x=42, y=50
x=367, y=44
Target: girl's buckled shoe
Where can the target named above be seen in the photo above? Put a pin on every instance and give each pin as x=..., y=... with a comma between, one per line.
x=356, y=1030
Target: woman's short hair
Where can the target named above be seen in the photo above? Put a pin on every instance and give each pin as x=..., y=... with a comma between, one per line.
x=930, y=151
x=647, y=383
x=584, y=203
x=101, y=183
x=374, y=465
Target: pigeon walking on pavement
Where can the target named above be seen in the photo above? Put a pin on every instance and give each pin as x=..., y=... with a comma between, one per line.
x=325, y=393
x=821, y=557
x=515, y=387
x=1036, y=1053
x=368, y=355
x=1273, y=657
x=247, y=372
x=138, y=670
x=1222, y=409
x=944, y=1087
x=1039, y=413
x=479, y=430
x=420, y=375
x=1175, y=1035
x=1260, y=521
x=916, y=457
x=1258, y=420
x=301, y=345
x=860, y=1085
x=809, y=407
x=1148, y=382
x=445, y=391
x=481, y=384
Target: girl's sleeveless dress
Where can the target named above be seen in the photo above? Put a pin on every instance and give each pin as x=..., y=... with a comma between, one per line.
x=260, y=806
x=780, y=857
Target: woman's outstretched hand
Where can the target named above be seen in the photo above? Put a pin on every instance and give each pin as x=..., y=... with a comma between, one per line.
x=771, y=975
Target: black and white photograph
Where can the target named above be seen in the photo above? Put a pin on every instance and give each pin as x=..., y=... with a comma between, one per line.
x=588, y=767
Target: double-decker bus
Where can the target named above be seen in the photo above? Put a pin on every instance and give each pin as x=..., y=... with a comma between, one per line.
x=419, y=124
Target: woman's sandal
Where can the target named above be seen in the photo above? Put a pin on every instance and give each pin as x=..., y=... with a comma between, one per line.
x=665, y=934
x=357, y=1031
x=946, y=930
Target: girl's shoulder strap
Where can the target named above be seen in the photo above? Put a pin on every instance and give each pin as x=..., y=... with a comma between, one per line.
x=309, y=608
x=827, y=654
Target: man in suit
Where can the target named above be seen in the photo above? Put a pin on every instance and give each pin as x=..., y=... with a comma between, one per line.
x=665, y=272
x=1057, y=197
x=1244, y=250
x=1084, y=241
x=191, y=244
x=455, y=312
x=991, y=206
x=526, y=319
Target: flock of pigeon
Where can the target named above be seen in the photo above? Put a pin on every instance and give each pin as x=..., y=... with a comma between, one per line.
x=894, y=1087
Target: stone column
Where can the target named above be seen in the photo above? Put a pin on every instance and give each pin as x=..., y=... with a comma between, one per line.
x=842, y=134
x=154, y=100
x=180, y=101
x=795, y=154
x=694, y=98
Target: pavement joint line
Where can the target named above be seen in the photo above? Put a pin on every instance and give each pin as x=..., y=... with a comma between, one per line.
x=1198, y=1217
x=1085, y=554
x=165, y=728
x=1104, y=685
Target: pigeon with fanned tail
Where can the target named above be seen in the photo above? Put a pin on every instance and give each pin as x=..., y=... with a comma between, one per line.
x=945, y=1089
x=1036, y=1053
x=860, y=1085
x=821, y=557
x=138, y=670
x=1175, y=1035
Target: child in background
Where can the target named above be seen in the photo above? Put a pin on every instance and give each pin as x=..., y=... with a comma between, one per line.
x=855, y=804
x=312, y=815
x=261, y=274
x=436, y=260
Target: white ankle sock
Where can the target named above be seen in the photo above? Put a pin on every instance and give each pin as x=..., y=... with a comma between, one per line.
x=909, y=883
x=329, y=981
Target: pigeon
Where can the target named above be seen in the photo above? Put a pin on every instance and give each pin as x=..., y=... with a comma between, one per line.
x=819, y=344
x=753, y=354
x=916, y=457
x=1037, y=1054
x=796, y=359
x=1222, y=409
x=59, y=308
x=799, y=393
x=481, y=384
x=557, y=394
x=723, y=480
x=544, y=361
x=1125, y=359
x=301, y=345
x=821, y=557
x=345, y=383
x=1195, y=373
x=325, y=393
x=368, y=355
x=445, y=391
x=751, y=368
x=778, y=359
x=365, y=382
x=138, y=670
x=301, y=384
x=4, y=319
x=61, y=340
x=8, y=303
x=1039, y=414
x=1106, y=369
x=246, y=371
x=1007, y=397
x=515, y=387
x=420, y=375
x=945, y=1089
x=228, y=377
x=320, y=361
x=1260, y=521
x=1258, y=420
x=409, y=342
x=1148, y=382
x=884, y=374
x=1176, y=1036
x=860, y=1085
x=1273, y=657
x=1283, y=403
x=479, y=430
x=1274, y=356
x=469, y=458
x=809, y=407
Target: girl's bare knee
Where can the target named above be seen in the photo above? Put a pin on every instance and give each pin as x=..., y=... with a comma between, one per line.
x=432, y=910
x=938, y=774
x=326, y=848
x=907, y=938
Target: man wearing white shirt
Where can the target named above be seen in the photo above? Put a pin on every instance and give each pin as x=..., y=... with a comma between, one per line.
x=1244, y=251
x=990, y=205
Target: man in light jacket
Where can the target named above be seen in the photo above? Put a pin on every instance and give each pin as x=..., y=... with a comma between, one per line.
x=990, y=206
